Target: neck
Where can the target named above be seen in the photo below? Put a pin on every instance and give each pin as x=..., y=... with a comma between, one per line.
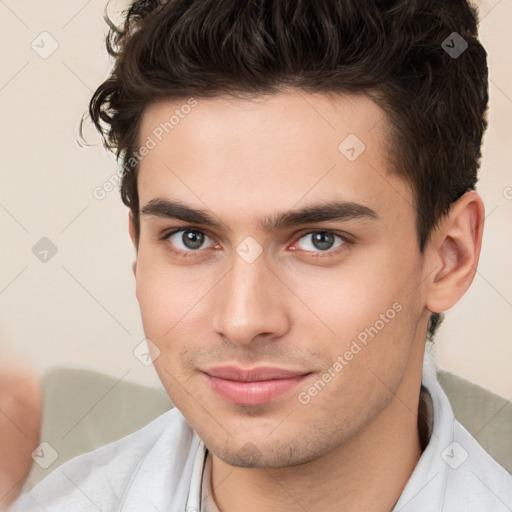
x=369, y=472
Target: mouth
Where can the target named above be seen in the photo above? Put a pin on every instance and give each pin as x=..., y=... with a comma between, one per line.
x=255, y=386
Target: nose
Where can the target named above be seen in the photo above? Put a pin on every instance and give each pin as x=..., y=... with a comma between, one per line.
x=250, y=303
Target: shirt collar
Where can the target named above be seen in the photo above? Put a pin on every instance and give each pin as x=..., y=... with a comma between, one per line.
x=426, y=487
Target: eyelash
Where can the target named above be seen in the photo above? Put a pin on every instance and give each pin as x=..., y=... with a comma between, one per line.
x=347, y=241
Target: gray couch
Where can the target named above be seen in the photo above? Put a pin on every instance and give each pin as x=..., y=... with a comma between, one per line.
x=83, y=410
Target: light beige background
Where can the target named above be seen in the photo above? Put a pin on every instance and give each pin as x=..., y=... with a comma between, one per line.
x=79, y=308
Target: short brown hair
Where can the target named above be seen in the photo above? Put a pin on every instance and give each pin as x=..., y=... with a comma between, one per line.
x=395, y=51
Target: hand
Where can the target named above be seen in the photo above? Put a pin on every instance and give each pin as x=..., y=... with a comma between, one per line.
x=20, y=424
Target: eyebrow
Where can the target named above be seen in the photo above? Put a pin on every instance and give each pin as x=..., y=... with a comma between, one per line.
x=311, y=214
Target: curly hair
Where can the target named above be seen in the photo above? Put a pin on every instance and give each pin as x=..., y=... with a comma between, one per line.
x=395, y=51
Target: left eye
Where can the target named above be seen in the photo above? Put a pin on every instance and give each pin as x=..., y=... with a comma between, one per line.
x=320, y=241
x=188, y=239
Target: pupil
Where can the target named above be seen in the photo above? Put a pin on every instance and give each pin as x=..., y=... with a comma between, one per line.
x=193, y=239
x=322, y=240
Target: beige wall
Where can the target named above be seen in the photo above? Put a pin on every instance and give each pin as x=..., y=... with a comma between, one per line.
x=79, y=308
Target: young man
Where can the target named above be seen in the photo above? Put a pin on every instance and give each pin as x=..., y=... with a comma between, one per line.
x=300, y=178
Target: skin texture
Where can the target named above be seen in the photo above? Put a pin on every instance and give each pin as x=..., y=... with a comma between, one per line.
x=20, y=424
x=295, y=306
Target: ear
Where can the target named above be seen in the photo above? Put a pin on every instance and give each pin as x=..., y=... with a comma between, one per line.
x=453, y=251
x=133, y=236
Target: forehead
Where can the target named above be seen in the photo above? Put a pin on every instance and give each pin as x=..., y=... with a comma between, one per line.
x=295, y=116
x=249, y=153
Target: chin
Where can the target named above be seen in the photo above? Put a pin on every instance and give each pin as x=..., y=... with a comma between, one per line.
x=252, y=456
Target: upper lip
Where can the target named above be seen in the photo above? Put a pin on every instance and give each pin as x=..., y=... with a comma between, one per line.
x=253, y=374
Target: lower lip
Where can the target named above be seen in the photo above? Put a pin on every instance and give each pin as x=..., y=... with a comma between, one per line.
x=252, y=393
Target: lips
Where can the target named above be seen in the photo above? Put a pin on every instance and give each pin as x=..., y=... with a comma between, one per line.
x=253, y=375
x=254, y=386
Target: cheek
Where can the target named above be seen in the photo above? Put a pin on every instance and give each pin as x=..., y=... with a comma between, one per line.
x=382, y=331
x=167, y=316
x=156, y=300
x=165, y=293
x=369, y=358
x=366, y=314
x=344, y=301
x=174, y=304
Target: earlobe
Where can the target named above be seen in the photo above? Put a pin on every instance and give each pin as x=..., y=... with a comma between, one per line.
x=454, y=251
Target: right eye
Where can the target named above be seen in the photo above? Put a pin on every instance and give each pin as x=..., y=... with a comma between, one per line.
x=187, y=240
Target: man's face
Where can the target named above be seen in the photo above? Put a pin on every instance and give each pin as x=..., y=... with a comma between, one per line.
x=299, y=295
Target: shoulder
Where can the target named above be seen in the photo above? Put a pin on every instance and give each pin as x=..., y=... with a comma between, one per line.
x=474, y=480
x=454, y=473
x=100, y=479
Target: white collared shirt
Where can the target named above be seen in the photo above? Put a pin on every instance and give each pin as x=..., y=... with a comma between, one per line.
x=162, y=468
